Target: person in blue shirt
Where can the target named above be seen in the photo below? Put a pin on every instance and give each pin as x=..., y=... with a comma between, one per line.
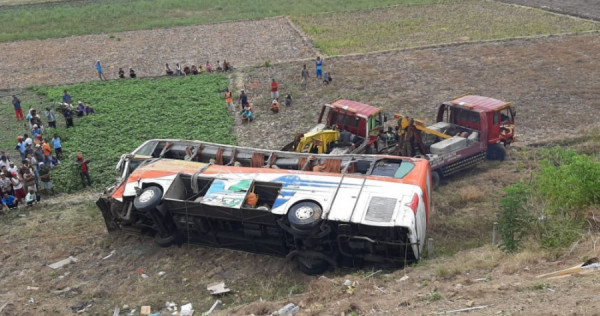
x=247, y=115
x=57, y=146
x=9, y=202
x=99, y=70
x=67, y=98
x=21, y=147
x=18, y=110
x=319, y=67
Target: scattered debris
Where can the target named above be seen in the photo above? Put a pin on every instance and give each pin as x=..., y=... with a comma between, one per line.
x=351, y=286
x=63, y=262
x=145, y=310
x=31, y=300
x=84, y=309
x=161, y=273
x=33, y=288
x=142, y=274
x=109, y=255
x=22, y=215
x=188, y=310
x=212, y=308
x=65, y=290
x=217, y=288
x=590, y=266
x=288, y=310
x=463, y=310
x=117, y=311
x=372, y=274
x=404, y=278
x=470, y=303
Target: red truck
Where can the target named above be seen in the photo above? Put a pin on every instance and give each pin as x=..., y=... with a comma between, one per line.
x=468, y=130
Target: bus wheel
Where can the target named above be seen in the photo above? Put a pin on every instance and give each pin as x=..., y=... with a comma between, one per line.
x=305, y=216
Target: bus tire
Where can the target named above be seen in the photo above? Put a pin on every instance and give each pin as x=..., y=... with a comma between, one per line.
x=149, y=198
x=305, y=216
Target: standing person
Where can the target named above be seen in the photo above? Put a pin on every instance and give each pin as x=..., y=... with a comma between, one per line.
x=132, y=73
x=45, y=181
x=304, y=77
x=57, y=146
x=21, y=147
x=208, y=67
x=82, y=165
x=229, y=99
x=68, y=117
x=47, y=151
x=17, y=186
x=67, y=98
x=243, y=99
x=178, y=71
x=274, y=90
x=319, y=67
x=29, y=179
x=99, y=70
x=51, y=117
x=18, y=110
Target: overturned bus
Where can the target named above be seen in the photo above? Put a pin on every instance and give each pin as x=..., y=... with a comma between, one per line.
x=320, y=211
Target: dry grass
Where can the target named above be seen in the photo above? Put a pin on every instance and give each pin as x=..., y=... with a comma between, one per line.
x=428, y=24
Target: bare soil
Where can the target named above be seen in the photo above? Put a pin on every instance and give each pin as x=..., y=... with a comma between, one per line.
x=72, y=59
x=554, y=83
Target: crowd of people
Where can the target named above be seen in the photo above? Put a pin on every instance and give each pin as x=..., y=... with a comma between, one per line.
x=26, y=177
x=193, y=70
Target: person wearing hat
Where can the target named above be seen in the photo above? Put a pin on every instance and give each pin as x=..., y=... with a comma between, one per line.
x=275, y=106
x=99, y=70
x=82, y=164
x=36, y=130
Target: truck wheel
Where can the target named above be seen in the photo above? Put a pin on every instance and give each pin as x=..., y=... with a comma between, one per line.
x=165, y=241
x=305, y=216
x=496, y=152
x=312, y=266
x=148, y=199
x=436, y=177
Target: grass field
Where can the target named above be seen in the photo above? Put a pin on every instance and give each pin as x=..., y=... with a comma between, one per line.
x=429, y=24
x=46, y=20
x=130, y=112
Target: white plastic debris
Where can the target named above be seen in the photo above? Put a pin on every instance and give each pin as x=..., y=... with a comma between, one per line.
x=63, y=262
x=109, y=255
x=186, y=310
x=289, y=310
x=217, y=288
x=161, y=273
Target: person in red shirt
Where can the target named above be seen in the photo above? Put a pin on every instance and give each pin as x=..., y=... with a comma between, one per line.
x=274, y=90
x=82, y=164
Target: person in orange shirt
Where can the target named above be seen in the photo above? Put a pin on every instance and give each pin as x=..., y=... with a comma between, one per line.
x=229, y=99
x=47, y=152
x=275, y=106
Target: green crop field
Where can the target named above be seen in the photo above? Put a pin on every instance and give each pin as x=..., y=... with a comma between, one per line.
x=130, y=112
x=429, y=24
x=58, y=19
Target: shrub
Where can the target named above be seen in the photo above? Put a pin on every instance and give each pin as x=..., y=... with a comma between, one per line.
x=515, y=219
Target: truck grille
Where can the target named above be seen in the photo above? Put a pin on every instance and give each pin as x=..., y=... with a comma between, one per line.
x=381, y=209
